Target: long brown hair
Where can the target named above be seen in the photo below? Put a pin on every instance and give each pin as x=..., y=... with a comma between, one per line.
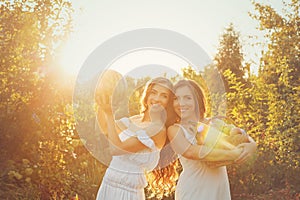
x=161, y=181
x=169, y=109
x=198, y=93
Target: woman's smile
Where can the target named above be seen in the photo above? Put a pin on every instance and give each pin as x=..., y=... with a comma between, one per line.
x=184, y=103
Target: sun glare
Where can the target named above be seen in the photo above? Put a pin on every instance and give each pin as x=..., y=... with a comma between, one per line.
x=138, y=64
x=72, y=56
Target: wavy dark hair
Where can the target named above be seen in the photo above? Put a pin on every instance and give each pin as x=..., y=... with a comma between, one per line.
x=162, y=180
x=169, y=109
x=197, y=91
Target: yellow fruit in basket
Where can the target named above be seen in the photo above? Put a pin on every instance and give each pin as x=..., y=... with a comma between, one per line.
x=222, y=135
x=218, y=124
x=219, y=134
x=222, y=126
x=236, y=131
x=111, y=88
x=238, y=136
x=201, y=133
x=228, y=128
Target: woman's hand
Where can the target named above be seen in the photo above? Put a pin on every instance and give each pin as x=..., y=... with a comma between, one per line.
x=248, y=150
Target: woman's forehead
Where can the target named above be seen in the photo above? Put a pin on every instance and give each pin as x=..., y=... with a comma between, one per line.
x=160, y=88
x=184, y=90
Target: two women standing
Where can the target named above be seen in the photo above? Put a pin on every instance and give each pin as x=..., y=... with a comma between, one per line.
x=138, y=140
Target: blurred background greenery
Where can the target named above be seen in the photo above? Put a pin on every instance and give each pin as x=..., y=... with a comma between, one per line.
x=42, y=156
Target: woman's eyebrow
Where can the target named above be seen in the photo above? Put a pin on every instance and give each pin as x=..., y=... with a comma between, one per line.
x=155, y=90
x=186, y=95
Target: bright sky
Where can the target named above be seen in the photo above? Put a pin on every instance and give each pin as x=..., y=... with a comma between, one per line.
x=201, y=20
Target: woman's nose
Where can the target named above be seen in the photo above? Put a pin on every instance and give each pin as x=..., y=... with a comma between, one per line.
x=181, y=102
x=156, y=98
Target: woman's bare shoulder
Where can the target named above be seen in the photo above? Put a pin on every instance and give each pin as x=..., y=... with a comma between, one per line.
x=136, y=117
x=174, y=127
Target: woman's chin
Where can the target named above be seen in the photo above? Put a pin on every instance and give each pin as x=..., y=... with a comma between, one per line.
x=186, y=118
x=156, y=108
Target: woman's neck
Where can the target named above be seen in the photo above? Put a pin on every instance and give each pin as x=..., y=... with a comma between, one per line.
x=154, y=117
x=188, y=120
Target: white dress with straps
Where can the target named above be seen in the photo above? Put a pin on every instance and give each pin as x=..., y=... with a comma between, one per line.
x=199, y=182
x=125, y=177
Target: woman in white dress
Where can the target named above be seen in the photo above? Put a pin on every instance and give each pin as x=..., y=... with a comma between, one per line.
x=197, y=180
x=136, y=143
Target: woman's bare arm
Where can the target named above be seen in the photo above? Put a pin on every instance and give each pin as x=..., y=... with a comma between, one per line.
x=248, y=150
x=132, y=144
x=198, y=152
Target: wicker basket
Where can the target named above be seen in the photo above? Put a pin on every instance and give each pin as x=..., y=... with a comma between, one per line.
x=220, y=132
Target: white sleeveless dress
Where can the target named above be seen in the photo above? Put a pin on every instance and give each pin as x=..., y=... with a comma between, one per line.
x=199, y=182
x=125, y=177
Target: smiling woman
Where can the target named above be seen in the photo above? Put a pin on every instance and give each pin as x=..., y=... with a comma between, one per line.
x=136, y=143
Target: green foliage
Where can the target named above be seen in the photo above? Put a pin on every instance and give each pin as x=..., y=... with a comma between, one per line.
x=230, y=55
x=135, y=92
x=42, y=156
x=268, y=113
x=191, y=74
x=269, y=121
x=283, y=43
x=268, y=107
x=280, y=72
